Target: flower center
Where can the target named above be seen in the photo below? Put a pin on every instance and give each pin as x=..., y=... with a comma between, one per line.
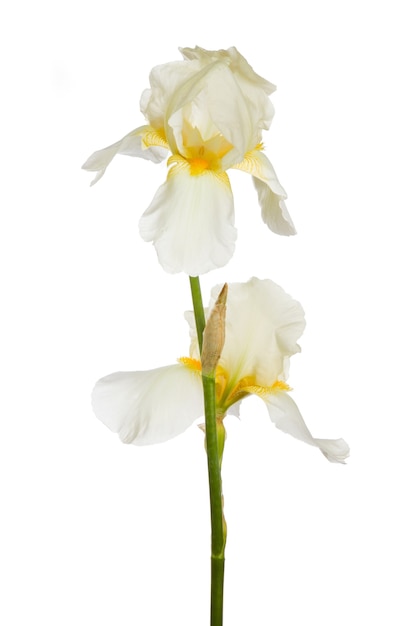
x=203, y=153
x=228, y=394
x=198, y=165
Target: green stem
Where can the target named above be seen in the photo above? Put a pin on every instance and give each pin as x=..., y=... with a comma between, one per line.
x=215, y=480
x=217, y=580
x=200, y=320
x=218, y=535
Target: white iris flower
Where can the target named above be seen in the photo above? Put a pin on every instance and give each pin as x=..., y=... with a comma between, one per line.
x=263, y=324
x=208, y=111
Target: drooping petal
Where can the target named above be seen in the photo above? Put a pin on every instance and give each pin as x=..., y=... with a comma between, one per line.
x=190, y=221
x=149, y=407
x=131, y=145
x=263, y=324
x=286, y=416
x=271, y=194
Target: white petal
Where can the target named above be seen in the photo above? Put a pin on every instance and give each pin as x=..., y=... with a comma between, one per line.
x=270, y=193
x=335, y=450
x=263, y=324
x=149, y=407
x=285, y=415
x=130, y=145
x=190, y=221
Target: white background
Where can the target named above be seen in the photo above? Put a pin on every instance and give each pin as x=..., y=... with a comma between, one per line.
x=96, y=532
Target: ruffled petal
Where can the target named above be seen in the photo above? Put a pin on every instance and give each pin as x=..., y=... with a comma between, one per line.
x=254, y=88
x=271, y=194
x=263, y=325
x=149, y=407
x=130, y=145
x=236, y=62
x=190, y=221
x=285, y=415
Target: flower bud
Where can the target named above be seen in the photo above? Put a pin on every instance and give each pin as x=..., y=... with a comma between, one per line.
x=214, y=335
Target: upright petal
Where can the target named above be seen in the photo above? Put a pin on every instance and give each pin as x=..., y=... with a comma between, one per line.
x=190, y=221
x=234, y=59
x=164, y=81
x=271, y=194
x=254, y=88
x=263, y=324
x=285, y=415
x=212, y=101
x=149, y=407
x=130, y=145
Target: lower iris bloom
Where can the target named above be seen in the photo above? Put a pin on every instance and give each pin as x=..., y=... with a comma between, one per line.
x=263, y=324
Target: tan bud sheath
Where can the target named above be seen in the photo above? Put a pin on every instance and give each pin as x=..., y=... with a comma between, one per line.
x=214, y=335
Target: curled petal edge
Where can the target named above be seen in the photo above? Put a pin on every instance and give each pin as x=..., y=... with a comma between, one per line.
x=271, y=195
x=133, y=144
x=286, y=416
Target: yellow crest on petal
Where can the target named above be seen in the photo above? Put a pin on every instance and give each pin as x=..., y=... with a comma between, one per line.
x=192, y=364
x=154, y=137
x=226, y=394
x=196, y=167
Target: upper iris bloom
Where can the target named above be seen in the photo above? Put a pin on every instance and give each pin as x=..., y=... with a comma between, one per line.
x=263, y=324
x=209, y=112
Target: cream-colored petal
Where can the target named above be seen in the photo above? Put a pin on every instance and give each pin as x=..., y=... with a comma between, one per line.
x=274, y=210
x=149, y=407
x=130, y=145
x=211, y=100
x=234, y=59
x=164, y=81
x=190, y=221
x=271, y=194
x=254, y=89
x=263, y=325
x=286, y=416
